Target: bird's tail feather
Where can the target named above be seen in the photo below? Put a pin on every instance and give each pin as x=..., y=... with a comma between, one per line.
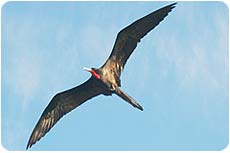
x=128, y=99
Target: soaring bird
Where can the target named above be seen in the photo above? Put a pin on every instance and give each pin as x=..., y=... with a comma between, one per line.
x=104, y=80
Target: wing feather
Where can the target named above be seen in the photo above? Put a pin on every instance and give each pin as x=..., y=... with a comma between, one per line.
x=61, y=104
x=128, y=38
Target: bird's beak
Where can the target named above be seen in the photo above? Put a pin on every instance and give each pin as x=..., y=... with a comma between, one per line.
x=87, y=69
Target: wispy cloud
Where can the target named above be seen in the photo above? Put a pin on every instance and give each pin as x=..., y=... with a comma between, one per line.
x=23, y=78
x=199, y=61
x=22, y=70
x=97, y=43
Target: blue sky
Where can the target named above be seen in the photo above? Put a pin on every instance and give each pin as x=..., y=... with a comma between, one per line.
x=178, y=73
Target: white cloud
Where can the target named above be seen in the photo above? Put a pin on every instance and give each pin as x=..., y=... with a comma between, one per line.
x=23, y=77
x=21, y=64
x=201, y=57
x=96, y=43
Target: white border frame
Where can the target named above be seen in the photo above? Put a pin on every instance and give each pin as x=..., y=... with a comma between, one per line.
x=227, y=149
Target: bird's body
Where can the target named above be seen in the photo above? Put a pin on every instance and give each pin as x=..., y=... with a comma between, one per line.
x=104, y=80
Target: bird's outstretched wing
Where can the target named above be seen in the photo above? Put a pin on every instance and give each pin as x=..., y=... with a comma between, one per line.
x=128, y=38
x=61, y=104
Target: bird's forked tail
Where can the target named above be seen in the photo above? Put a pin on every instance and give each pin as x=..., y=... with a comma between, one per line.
x=128, y=99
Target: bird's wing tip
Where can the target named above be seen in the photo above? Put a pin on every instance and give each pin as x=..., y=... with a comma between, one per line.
x=27, y=147
x=141, y=108
x=173, y=5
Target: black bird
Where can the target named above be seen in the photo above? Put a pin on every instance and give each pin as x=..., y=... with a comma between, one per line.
x=105, y=80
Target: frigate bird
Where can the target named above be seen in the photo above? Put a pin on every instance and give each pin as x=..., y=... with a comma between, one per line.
x=104, y=80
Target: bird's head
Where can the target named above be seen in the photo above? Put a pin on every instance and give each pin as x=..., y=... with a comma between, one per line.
x=94, y=72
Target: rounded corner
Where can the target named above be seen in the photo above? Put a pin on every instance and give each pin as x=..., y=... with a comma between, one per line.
x=225, y=147
x=226, y=3
x=5, y=4
x=3, y=148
